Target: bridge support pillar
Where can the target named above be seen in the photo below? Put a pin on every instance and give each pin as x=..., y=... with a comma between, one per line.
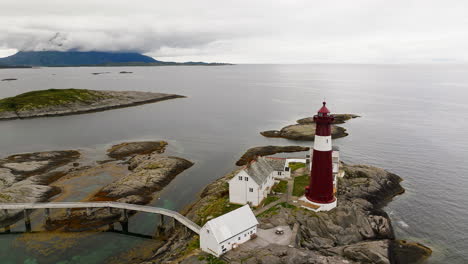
x=88, y=211
x=68, y=212
x=27, y=220
x=47, y=214
x=124, y=226
x=124, y=220
x=5, y=211
x=109, y=210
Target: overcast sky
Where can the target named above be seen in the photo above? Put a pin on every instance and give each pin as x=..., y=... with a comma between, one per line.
x=244, y=31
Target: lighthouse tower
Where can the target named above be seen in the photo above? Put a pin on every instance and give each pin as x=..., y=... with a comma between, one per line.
x=320, y=194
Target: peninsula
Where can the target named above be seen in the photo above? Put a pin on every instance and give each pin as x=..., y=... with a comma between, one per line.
x=60, y=102
x=87, y=58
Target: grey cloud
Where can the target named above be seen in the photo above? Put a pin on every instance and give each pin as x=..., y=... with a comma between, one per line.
x=244, y=30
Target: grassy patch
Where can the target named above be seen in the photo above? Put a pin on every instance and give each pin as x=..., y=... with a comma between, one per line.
x=193, y=244
x=209, y=259
x=216, y=208
x=4, y=197
x=300, y=183
x=281, y=187
x=296, y=165
x=270, y=199
x=274, y=209
x=45, y=98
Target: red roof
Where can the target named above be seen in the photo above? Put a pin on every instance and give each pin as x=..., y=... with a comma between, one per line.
x=324, y=109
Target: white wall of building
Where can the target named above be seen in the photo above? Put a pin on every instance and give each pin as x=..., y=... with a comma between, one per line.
x=281, y=174
x=209, y=244
x=243, y=189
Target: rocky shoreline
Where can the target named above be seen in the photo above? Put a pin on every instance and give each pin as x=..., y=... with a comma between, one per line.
x=28, y=178
x=99, y=101
x=252, y=153
x=357, y=231
x=305, y=129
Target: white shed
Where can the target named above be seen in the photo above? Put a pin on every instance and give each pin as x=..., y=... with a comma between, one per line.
x=225, y=232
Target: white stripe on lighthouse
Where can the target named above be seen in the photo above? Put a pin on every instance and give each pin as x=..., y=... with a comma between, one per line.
x=323, y=143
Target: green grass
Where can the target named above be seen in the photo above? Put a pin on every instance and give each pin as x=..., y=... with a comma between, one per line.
x=270, y=199
x=274, y=209
x=296, y=165
x=45, y=98
x=300, y=183
x=281, y=187
x=209, y=259
x=216, y=208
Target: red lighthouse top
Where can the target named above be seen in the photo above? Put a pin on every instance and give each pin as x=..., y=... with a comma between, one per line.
x=324, y=109
x=323, y=121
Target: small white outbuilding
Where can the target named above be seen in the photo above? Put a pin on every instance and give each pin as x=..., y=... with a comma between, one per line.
x=225, y=232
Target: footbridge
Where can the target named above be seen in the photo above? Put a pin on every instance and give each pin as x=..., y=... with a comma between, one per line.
x=124, y=207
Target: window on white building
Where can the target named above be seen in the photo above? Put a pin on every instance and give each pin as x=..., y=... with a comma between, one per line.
x=208, y=231
x=279, y=172
x=240, y=178
x=286, y=169
x=238, y=238
x=250, y=189
x=246, y=178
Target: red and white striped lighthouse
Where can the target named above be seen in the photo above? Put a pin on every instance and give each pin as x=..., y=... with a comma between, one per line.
x=320, y=190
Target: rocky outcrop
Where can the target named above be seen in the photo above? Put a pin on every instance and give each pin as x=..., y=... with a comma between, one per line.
x=126, y=149
x=24, y=178
x=339, y=119
x=9, y=79
x=305, y=129
x=357, y=231
x=304, y=132
x=273, y=254
x=99, y=101
x=149, y=174
x=252, y=153
x=402, y=251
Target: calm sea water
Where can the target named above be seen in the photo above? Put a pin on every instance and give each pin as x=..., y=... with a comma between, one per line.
x=413, y=124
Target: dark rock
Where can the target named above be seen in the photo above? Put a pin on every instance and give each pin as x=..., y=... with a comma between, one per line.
x=305, y=129
x=131, y=148
x=9, y=79
x=402, y=252
x=339, y=119
x=125, y=72
x=99, y=73
x=253, y=153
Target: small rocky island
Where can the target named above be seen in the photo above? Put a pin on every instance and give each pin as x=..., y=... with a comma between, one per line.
x=60, y=102
x=305, y=129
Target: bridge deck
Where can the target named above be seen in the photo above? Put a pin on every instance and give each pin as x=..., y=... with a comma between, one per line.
x=140, y=208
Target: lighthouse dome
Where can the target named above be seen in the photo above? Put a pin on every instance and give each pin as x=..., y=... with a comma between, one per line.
x=324, y=110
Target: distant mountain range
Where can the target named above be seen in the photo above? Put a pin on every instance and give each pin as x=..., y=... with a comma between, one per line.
x=85, y=58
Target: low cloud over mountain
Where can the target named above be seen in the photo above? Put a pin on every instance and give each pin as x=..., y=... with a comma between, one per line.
x=243, y=31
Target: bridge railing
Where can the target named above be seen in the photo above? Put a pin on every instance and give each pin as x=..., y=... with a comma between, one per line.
x=125, y=206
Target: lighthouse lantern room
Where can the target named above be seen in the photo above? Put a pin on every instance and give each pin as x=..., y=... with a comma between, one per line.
x=319, y=195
